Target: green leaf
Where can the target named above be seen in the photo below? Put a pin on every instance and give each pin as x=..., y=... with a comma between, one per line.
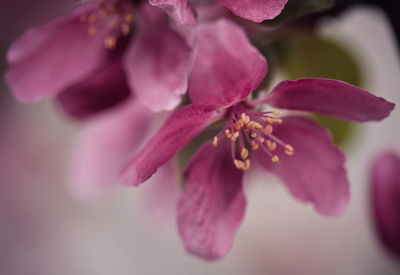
x=305, y=55
x=341, y=130
x=295, y=9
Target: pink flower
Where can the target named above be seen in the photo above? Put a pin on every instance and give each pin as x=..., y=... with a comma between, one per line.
x=226, y=68
x=95, y=56
x=385, y=199
x=255, y=10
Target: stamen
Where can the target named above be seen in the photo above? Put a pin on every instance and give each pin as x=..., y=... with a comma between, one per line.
x=271, y=145
x=275, y=159
x=215, y=142
x=244, y=153
x=275, y=112
x=289, y=150
x=110, y=42
x=253, y=130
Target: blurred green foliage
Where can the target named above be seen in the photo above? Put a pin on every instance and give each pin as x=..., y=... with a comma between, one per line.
x=295, y=9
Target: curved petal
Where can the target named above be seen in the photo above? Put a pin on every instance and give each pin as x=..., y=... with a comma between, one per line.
x=226, y=67
x=104, y=146
x=48, y=58
x=255, y=10
x=182, y=126
x=315, y=173
x=157, y=64
x=98, y=92
x=212, y=205
x=385, y=199
x=180, y=10
x=330, y=97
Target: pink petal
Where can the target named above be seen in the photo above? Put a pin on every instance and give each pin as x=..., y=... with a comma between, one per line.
x=163, y=193
x=255, y=10
x=182, y=126
x=331, y=97
x=48, y=58
x=157, y=65
x=315, y=173
x=385, y=199
x=180, y=10
x=226, y=67
x=212, y=206
x=98, y=92
x=104, y=146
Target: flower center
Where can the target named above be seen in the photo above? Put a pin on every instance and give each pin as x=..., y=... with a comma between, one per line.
x=116, y=15
x=248, y=130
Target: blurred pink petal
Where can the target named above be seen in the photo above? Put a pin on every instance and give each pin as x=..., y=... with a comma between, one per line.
x=100, y=91
x=104, y=146
x=212, y=205
x=164, y=192
x=157, y=63
x=385, y=199
x=181, y=10
x=47, y=58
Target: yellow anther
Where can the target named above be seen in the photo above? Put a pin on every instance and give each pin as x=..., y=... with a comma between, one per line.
x=289, y=150
x=270, y=120
x=83, y=18
x=268, y=130
x=260, y=139
x=114, y=24
x=215, y=141
x=235, y=136
x=129, y=18
x=271, y=145
x=238, y=163
x=278, y=120
x=236, y=125
x=257, y=126
x=254, y=145
x=125, y=28
x=110, y=42
x=253, y=135
x=228, y=133
x=250, y=124
x=275, y=112
x=246, y=165
x=92, y=30
x=93, y=18
x=244, y=153
x=245, y=118
x=275, y=159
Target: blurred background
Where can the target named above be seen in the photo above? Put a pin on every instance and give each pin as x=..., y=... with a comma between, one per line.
x=45, y=230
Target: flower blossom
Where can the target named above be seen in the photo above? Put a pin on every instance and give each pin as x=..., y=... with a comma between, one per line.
x=293, y=147
x=385, y=198
x=255, y=10
x=98, y=55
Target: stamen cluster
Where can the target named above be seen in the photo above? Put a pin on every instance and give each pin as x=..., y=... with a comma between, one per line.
x=117, y=16
x=251, y=131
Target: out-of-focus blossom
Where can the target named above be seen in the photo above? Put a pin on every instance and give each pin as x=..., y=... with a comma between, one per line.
x=98, y=55
x=255, y=10
x=296, y=149
x=385, y=199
